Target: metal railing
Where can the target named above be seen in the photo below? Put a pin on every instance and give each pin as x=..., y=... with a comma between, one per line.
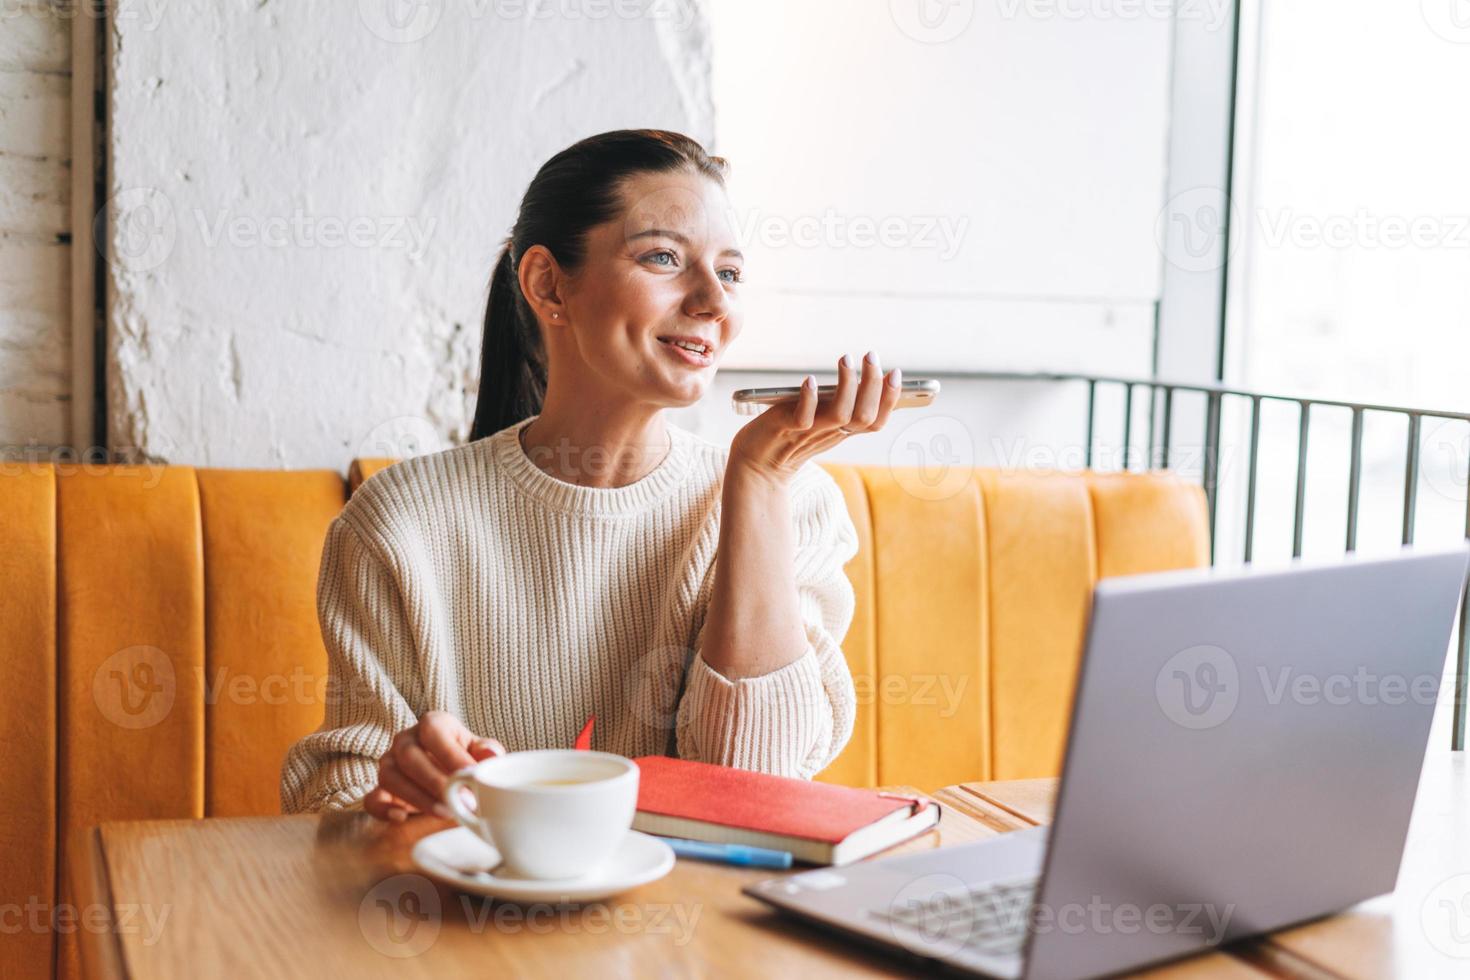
x=1160, y=440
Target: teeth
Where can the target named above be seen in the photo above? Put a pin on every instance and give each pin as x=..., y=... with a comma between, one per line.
x=697, y=348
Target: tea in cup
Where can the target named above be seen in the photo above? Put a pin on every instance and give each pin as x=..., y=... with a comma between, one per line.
x=551, y=813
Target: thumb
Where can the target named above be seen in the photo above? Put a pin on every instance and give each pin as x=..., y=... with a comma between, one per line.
x=485, y=748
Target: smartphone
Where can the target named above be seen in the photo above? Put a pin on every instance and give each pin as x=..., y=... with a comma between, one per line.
x=752, y=401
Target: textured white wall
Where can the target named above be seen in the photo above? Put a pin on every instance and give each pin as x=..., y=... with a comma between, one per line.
x=35, y=70
x=306, y=201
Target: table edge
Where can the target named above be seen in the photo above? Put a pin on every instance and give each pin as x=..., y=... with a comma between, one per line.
x=101, y=949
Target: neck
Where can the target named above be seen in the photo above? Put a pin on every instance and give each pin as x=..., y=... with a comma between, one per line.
x=597, y=447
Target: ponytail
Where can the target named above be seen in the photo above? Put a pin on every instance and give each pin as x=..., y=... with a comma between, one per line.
x=574, y=191
x=512, y=356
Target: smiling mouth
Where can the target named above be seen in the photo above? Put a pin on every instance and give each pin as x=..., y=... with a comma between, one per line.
x=697, y=347
x=689, y=351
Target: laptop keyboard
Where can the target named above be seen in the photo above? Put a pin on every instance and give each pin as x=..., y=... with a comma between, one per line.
x=989, y=918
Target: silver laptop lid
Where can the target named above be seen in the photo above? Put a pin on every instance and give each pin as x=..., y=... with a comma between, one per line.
x=1244, y=752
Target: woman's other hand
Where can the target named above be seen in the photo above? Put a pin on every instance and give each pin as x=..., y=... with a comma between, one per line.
x=414, y=770
x=778, y=441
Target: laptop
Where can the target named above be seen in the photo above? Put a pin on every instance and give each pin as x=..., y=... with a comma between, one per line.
x=1244, y=751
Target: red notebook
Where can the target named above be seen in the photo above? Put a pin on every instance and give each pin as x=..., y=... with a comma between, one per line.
x=819, y=823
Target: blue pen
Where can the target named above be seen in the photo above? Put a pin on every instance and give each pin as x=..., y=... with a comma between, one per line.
x=750, y=857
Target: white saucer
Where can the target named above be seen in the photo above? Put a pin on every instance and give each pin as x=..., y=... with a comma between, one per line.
x=459, y=858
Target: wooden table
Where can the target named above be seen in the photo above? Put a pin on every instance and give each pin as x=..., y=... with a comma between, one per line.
x=335, y=895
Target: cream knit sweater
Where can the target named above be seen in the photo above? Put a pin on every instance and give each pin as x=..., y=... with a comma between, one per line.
x=471, y=581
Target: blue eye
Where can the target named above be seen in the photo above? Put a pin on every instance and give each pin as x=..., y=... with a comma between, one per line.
x=735, y=275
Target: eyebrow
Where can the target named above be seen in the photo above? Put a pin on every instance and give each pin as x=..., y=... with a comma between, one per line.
x=681, y=238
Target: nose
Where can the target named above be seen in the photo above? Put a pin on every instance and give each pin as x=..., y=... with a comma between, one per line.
x=707, y=298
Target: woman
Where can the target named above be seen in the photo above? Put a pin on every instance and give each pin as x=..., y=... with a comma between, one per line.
x=581, y=556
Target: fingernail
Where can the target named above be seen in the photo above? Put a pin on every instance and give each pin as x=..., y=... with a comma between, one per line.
x=872, y=358
x=810, y=382
x=895, y=378
x=847, y=361
x=442, y=811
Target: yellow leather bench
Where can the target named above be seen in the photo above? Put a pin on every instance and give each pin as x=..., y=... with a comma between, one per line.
x=162, y=649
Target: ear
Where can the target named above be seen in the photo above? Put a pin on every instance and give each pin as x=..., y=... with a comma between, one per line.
x=542, y=284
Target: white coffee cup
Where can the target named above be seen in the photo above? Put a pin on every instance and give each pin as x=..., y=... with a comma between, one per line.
x=551, y=813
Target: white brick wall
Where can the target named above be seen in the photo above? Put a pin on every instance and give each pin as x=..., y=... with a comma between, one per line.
x=35, y=61
x=242, y=133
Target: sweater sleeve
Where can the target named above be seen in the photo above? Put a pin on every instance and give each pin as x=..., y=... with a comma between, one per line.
x=794, y=720
x=370, y=660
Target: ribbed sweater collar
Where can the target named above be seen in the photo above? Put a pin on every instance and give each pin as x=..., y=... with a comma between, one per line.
x=511, y=459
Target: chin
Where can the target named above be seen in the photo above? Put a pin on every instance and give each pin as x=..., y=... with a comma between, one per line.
x=686, y=399
x=682, y=396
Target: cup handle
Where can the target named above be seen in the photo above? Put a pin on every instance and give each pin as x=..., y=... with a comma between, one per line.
x=455, y=802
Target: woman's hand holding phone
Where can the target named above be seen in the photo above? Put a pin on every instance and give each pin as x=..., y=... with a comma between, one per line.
x=775, y=444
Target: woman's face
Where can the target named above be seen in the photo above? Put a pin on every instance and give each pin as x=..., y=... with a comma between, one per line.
x=666, y=269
